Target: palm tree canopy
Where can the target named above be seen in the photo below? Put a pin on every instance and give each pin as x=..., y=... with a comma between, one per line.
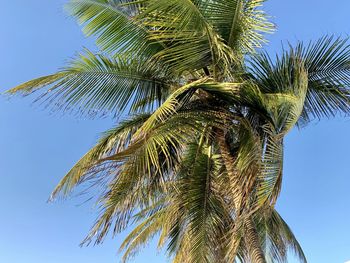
x=198, y=161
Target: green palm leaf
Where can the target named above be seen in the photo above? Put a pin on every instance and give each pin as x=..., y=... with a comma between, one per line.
x=113, y=141
x=95, y=83
x=191, y=41
x=111, y=22
x=278, y=238
x=241, y=23
x=142, y=169
x=328, y=64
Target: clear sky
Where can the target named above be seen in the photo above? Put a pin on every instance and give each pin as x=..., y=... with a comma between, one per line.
x=37, y=148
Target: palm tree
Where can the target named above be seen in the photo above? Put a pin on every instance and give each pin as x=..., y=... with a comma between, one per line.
x=198, y=159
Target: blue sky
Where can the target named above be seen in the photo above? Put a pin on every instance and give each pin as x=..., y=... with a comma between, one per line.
x=37, y=148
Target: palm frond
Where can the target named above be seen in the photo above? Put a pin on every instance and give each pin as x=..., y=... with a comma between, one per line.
x=96, y=83
x=270, y=177
x=328, y=65
x=184, y=94
x=143, y=169
x=191, y=41
x=142, y=233
x=112, y=23
x=204, y=210
x=113, y=141
x=277, y=237
x=241, y=23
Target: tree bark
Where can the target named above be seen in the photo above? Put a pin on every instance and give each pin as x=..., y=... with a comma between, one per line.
x=251, y=236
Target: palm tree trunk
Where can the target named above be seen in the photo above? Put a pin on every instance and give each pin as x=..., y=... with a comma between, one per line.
x=251, y=236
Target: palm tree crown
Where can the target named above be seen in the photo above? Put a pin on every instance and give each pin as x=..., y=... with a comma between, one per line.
x=198, y=159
